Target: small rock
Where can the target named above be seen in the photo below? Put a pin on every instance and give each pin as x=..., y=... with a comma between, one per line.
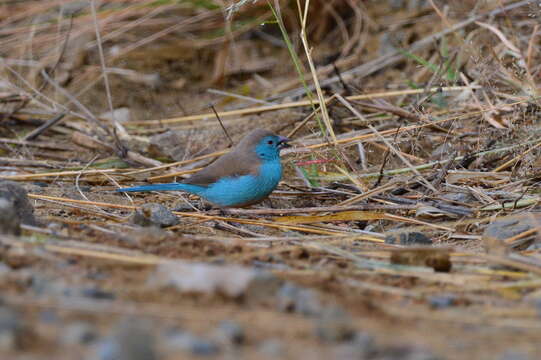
x=361, y=346
x=291, y=298
x=19, y=257
x=230, y=280
x=196, y=345
x=411, y=238
x=10, y=329
x=78, y=333
x=132, y=340
x=514, y=355
x=49, y=316
x=10, y=222
x=4, y=270
x=229, y=332
x=152, y=214
x=333, y=326
x=272, y=348
x=106, y=349
x=120, y=115
x=407, y=353
x=442, y=301
x=97, y=293
x=16, y=194
x=497, y=232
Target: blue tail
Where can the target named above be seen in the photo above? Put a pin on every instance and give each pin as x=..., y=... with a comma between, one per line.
x=159, y=187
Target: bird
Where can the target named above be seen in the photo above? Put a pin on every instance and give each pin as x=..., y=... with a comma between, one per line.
x=245, y=176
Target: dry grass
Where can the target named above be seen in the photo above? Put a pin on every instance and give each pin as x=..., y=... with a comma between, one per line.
x=430, y=124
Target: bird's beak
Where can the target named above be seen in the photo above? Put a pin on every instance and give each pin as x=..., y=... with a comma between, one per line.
x=283, y=142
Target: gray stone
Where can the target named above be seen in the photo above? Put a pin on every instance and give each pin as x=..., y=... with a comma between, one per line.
x=132, y=340
x=291, y=298
x=107, y=349
x=410, y=238
x=498, y=231
x=16, y=194
x=272, y=348
x=442, y=301
x=78, y=333
x=334, y=326
x=10, y=222
x=10, y=328
x=361, y=346
x=229, y=332
x=184, y=341
x=152, y=214
x=514, y=355
x=230, y=280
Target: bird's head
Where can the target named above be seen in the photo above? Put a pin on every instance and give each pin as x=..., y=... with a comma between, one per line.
x=267, y=145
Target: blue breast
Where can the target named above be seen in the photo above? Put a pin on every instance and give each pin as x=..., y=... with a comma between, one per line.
x=247, y=189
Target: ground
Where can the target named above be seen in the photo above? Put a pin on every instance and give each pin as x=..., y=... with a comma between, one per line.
x=405, y=225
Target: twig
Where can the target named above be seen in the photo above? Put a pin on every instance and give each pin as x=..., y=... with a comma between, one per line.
x=40, y=130
x=231, y=143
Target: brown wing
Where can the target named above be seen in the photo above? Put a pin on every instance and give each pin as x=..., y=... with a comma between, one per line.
x=232, y=164
x=242, y=160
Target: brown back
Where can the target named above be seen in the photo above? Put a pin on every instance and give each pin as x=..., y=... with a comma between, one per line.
x=242, y=160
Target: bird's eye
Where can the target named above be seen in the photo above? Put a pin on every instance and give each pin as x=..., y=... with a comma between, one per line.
x=270, y=142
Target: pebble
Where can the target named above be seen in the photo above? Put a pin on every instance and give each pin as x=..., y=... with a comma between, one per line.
x=361, y=346
x=411, y=238
x=16, y=194
x=10, y=328
x=97, y=293
x=499, y=230
x=196, y=345
x=233, y=281
x=132, y=339
x=291, y=298
x=441, y=301
x=514, y=355
x=334, y=326
x=272, y=348
x=229, y=332
x=78, y=333
x=10, y=223
x=152, y=214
